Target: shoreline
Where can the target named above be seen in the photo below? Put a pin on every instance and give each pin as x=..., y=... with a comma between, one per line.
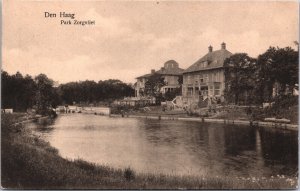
x=283, y=126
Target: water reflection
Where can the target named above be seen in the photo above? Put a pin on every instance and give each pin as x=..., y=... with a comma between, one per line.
x=279, y=150
x=238, y=140
x=175, y=147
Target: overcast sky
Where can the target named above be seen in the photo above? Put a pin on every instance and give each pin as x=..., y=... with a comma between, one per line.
x=131, y=38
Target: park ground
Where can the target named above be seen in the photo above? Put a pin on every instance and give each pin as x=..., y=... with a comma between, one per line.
x=243, y=113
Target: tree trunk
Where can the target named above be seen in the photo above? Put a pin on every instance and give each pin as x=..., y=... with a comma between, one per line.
x=236, y=99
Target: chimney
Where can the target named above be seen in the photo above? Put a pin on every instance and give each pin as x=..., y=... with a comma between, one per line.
x=210, y=48
x=152, y=71
x=223, y=46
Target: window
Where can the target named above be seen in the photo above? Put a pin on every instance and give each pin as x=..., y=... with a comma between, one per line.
x=175, y=80
x=190, y=92
x=206, y=78
x=217, y=77
x=217, y=86
x=189, y=79
x=197, y=92
x=210, y=77
x=201, y=78
x=211, y=90
x=204, y=90
x=184, y=91
x=217, y=91
x=185, y=79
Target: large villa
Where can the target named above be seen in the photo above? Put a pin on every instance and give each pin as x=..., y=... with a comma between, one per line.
x=205, y=78
x=170, y=72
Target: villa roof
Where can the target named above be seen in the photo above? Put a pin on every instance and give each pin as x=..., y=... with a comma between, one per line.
x=171, y=67
x=214, y=59
x=144, y=76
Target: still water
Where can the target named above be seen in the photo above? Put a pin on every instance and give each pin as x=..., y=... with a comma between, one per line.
x=174, y=147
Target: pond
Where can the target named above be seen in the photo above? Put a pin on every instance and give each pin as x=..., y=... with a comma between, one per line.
x=174, y=147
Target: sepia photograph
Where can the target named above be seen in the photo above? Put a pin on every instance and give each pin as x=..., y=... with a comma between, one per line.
x=129, y=94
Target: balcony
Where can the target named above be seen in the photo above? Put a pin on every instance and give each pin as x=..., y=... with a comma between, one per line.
x=196, y=84
x=203, y=84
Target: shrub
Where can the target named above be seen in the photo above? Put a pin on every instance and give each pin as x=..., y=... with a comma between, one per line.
x=129, y=174
x=85, y=165
x=282, y=106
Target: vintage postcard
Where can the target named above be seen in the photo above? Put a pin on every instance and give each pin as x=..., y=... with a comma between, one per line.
x=149, y=94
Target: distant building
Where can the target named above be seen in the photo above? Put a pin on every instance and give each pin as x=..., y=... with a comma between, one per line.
x=7, y=110
x=288, y=90
x=135, y=101
x=171, y=74
x=140, y=84
x=205, y=78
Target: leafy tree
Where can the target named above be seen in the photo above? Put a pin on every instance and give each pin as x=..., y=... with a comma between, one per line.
x=45, y=93
x=154, y=84
x=240, y=78
x=141, y=92
x=277, y=65
x=180, y=80
x=17, y=91
x=6, y=93
x=29, y=89
x=170, y=95
x=92, y=92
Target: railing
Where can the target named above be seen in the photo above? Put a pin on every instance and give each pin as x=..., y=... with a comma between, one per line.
x=196, y=84
x=97, y=110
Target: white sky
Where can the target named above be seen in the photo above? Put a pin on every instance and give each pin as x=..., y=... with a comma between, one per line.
x=132, y=37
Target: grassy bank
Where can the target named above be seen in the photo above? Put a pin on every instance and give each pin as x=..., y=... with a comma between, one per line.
x=243, y=113
x=31, y=163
